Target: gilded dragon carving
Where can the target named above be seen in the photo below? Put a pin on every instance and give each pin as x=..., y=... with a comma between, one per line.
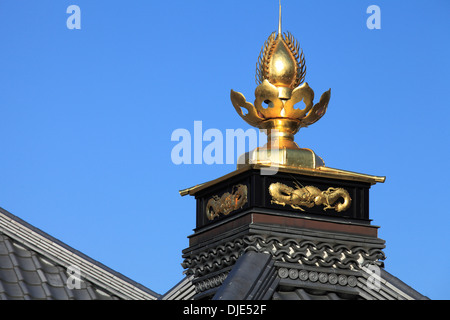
x=309, y=197
x=227, y=203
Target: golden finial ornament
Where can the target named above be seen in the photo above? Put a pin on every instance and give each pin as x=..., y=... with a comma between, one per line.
x=280, y=75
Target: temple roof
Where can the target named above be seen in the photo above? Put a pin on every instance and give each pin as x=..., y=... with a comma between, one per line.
x=36, y=266
x=257, y=276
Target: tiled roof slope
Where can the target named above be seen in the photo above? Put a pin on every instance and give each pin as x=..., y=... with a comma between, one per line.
x=183, y=290
x=34, y=265
x=256, y=269
x=256, y=276
x=25, y=274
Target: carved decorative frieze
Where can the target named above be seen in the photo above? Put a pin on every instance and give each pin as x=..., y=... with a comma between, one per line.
x=210, y=283
x=305, y=251
x=315, y=276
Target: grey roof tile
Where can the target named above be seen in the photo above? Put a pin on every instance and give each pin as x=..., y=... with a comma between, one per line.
x=41, y=275
x=48, y=268
x=23, y=287
x=70, y=293
x=25, y=263
x=20, y=250
x=13, y=259
x=101, y=295
x=31, y=277
x=18, y=274
x=3, y=249
x=290, y=295
x=82, y=294
x=8, y=245
x=58, y=293
x=36, y=292
x=251, y=278
x=6, y=296
x=183, y=290
x=8, y=275
x=5, y=262
x=55, y=280
x=12, y=289
x=302, y=294
x=47, y=291
x=26, y=274
x=33, y=265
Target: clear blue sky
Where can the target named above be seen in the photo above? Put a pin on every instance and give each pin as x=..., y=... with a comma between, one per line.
x=87, y=116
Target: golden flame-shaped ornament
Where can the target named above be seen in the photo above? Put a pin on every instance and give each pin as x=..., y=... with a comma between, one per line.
x=280, y=75
x=282, y=63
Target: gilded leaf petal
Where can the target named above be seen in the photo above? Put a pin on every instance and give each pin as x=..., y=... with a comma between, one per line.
x=239, y=102
x=305, y=93
x=318, y=110
x=268, y=92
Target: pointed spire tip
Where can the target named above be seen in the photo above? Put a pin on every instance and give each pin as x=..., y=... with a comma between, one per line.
x=279, y=18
